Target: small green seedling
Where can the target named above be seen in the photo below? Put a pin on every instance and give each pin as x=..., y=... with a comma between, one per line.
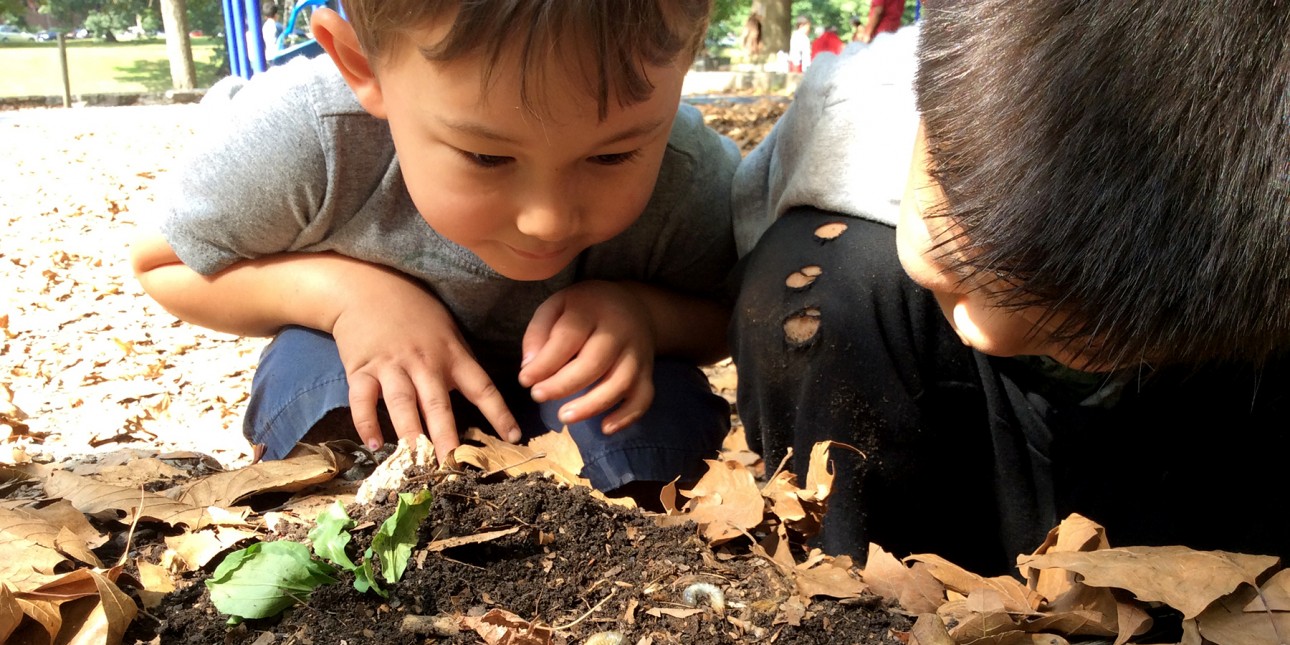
x=267, y=577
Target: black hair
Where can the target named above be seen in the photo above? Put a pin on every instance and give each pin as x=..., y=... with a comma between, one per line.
x=1126, y=165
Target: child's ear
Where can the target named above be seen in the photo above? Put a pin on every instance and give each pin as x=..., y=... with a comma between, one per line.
x=337, y=36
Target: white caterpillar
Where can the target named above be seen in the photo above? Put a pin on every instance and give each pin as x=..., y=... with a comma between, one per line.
x=700, y=591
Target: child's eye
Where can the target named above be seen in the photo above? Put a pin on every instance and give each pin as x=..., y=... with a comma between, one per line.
x=486, y=161
x=614, y=159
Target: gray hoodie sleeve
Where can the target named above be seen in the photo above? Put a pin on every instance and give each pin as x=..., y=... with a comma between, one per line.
x=844, y=144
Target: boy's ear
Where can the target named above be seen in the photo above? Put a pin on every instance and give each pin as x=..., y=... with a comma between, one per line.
x=337, y=36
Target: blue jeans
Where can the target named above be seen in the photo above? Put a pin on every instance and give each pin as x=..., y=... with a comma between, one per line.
x=300, y=379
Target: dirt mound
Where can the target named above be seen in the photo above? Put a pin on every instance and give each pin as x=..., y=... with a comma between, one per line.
x=576, y=567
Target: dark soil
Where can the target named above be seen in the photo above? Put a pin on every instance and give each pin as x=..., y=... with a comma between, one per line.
x=576, y=564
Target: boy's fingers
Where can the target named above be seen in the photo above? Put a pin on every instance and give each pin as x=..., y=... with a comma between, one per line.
x=539, y=328
x=633, y=407
x=401, y=401
x=613, y=388
x=565, y=341
x=589, y=362
x=364, y=392
x=435, y=406
x=479, y=389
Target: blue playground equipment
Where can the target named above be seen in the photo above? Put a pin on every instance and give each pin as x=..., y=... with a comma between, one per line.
x=247, y=54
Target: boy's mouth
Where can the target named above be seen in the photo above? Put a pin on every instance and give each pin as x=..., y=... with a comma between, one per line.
x=538, y=254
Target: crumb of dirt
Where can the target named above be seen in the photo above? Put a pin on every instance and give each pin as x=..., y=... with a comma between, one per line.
x=576, y=565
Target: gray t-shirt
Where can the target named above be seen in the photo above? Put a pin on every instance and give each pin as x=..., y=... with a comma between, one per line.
x=292, y=163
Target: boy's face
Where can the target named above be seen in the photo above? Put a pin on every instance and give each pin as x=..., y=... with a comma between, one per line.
x=523, y=192
x=969, y=302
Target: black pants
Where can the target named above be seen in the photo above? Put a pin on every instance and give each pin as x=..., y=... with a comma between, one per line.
x=974, y=457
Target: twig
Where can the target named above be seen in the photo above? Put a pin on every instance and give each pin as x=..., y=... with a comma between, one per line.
x=129, y=536
x=583, y=617
x=540, y=455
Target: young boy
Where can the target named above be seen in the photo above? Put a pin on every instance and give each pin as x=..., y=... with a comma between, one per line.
x=1077, y=301
x=494, y=198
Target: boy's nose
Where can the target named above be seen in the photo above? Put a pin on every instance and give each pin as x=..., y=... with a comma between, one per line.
x=548, y=219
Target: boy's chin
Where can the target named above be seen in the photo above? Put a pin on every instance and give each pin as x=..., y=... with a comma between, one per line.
x=529, y=272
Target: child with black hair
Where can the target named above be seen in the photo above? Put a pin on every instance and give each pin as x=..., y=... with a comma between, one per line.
x=1078, y=300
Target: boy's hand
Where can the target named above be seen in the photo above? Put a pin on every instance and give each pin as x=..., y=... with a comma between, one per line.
x=597, y=334
x=400, y=344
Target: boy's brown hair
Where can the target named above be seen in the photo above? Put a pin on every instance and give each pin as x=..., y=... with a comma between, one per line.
x=606, y=41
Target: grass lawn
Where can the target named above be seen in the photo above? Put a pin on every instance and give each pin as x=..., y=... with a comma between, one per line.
x=32, y=69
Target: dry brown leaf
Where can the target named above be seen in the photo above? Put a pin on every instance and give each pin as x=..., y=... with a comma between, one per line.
x=1131, y=620
x=1082, y=602
x=488, y=536
x=28, y=546
x=306, y=467
x=110, y=617
x=775, y=549
x=156, y=581
x=124, y=504
x=1275, y=594
x=735, y=446
x=559, y=448
x=917, y=591
x=1075, y=622
x=1226, y=622
x=828, y=576
x=1019, y=638
x=392, y=474
x=195, y=549
x=929, y=629
x=725, y=502
x=1182, y=578
x=1075, y=533
x=781, y=494
x=105, y=620
x=10, y=613
x=135, y=473
x=496, y=456
x=62, y=514
x=501, y=627
x=1017, y=598
x=974, y=625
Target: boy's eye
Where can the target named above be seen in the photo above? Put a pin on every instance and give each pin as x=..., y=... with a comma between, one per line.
x=614, y=159
x=486, y=161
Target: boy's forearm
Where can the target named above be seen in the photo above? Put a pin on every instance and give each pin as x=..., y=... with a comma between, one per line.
x=259, y=297
x=685, y=326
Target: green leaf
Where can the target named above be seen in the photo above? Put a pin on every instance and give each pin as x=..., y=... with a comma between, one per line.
x=393, y=542
x=365, y=578
x=265, y=578
x=331, y=535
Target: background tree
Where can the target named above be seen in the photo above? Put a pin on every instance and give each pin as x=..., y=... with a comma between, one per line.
x=174, y=15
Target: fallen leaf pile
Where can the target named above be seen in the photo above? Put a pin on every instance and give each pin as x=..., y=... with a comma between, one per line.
x=88, y=363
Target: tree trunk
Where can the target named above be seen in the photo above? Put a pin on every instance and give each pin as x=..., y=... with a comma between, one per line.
x=174, y=18
x=776, y=26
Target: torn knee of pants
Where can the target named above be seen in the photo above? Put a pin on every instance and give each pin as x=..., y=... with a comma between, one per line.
x=832, y=230
x=801, y=327
x=803, y=277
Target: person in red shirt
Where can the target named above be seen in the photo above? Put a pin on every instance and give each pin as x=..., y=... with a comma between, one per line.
x=829, y=41
x=884, y=15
